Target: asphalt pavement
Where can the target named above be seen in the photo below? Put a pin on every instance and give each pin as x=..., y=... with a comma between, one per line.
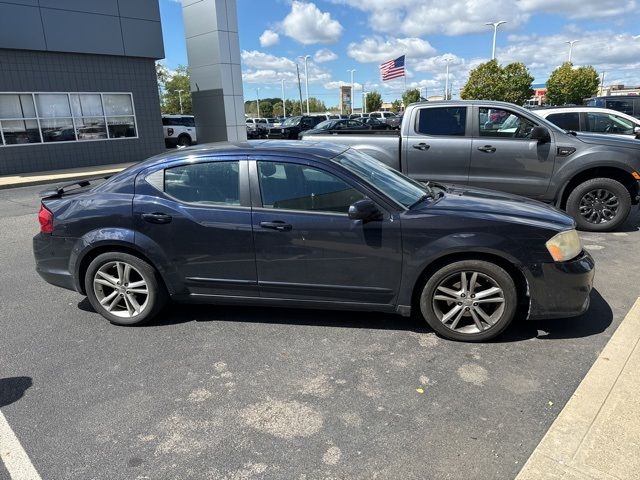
x=244, y=393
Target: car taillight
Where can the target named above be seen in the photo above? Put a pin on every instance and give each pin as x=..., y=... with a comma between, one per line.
x=45, y=217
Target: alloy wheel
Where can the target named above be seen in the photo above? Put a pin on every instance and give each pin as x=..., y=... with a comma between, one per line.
x=121, y=289
x=599, y=206
x=469, y=302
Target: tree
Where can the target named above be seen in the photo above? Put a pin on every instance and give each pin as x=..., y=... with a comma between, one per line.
x=411, y=96
x=277, y=109
x=266, y=108
x=374, y=101
x=396, y=106
x=571, y=85
x=491, y=81
x=178, y=81
x=316, y=105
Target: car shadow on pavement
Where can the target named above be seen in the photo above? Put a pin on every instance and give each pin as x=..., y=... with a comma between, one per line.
x=594, y=321
x=13, y=389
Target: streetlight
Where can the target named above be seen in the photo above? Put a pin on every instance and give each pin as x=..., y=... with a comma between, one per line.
x=180, y=99
x=446, y=81
x=571, y=43
x=352, y=90
x=364, y=100
x=306, y=79
x=258, y=101
x=284, y=107
x=495, y=26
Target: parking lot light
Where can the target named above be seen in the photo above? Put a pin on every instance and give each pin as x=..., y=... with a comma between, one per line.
x=571, y=43
x=495, y=26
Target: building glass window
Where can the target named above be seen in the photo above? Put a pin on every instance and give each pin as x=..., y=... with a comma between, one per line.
x=65, y=117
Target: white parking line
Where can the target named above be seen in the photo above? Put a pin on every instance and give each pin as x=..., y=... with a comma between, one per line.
x=15, y=459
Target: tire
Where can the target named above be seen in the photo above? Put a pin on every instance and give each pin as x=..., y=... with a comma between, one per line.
x=100, y=285
x=588, y=204
x=493, y=312
x=184, y=140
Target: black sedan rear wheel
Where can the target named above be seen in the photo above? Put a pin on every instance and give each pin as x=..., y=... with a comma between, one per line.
x=124, y=289
x=469, y=300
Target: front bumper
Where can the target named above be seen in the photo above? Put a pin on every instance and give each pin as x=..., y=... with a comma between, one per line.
x=52, y=256
x=559, y=290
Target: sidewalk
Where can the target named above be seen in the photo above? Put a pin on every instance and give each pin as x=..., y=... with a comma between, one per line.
x=597, y=434
x=60, y=176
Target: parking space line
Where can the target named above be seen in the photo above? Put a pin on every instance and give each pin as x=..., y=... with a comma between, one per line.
x=15, y=459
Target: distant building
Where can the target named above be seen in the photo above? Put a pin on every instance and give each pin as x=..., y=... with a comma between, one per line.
x=539, y=95
x=618, y=90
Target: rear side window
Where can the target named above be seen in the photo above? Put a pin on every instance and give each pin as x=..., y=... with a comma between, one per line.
x=449, y=121
x=212, y=183
x=566, y=121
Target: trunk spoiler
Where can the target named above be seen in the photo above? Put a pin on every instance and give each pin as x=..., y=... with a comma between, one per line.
x=70, y=187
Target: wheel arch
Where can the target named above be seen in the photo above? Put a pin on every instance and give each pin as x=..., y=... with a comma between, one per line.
x=616, y=173
x=519, y=278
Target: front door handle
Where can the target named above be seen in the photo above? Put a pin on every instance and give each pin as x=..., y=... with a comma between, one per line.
x=277, y=225
x=422, y=146
x=487, y=149
x=157, y=218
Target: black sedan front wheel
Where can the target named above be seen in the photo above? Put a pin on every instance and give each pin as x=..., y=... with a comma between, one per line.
x=124, y=289
x=469, y=300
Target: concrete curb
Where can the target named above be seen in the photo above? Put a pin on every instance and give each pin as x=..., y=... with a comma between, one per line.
x=597, y=434
x=60, y=176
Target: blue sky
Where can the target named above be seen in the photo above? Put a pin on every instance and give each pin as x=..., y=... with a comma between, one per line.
x=360, y=34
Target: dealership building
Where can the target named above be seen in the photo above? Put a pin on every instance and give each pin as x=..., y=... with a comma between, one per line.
x=78, y=83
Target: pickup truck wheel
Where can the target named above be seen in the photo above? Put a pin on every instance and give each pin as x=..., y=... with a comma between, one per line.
x=124, y=289
x=184, y=140
x=599, y=204
x=469, y=300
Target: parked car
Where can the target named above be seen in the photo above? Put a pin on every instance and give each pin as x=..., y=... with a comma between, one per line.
x=260, y=126
x=505, y=147
x=331, y=125
x=292, y=127
x=629, y=104
x=179, y=130
x=395, y=122
x=309, y=225
x=358, y=116
x=382, y=116
x=592, y=120
x=375, y=123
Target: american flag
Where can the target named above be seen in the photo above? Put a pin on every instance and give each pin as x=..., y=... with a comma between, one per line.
x=392, y=69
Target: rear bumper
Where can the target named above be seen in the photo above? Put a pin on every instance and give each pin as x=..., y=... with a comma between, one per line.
x=52, y=256
x=559, y=290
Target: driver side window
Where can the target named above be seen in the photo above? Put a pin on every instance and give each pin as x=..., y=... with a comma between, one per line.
x=499, y=123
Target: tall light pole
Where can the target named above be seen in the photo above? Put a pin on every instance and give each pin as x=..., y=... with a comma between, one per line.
x=446, y=80
x=364, y=100
x=571, y=43
x=306, y=79
x=353, y=96
x=284, y=107
x=258, y=100
x=180, y=100
x=495, y=26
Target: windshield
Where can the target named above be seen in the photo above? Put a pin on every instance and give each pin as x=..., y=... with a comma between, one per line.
x=392, y=183
x=326, y=125
x=291, y=121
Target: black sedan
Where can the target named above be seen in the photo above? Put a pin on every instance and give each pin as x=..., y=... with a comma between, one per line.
x=309, y=225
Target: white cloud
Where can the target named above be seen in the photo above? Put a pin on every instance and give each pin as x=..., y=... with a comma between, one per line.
x=334, y=85
x=269, y=38
x=307, y=24
x=324, y=55
x=260, y=67
x=585, y=9
x=377, y=49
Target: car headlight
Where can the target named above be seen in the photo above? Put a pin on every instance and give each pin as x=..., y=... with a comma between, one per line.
x=564, y=246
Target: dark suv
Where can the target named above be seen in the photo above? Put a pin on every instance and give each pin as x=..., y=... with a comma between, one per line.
x=293, y=126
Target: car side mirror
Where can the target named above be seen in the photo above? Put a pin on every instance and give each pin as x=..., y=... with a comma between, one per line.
x=540, y=134
x=364, y=210
x=636, y=130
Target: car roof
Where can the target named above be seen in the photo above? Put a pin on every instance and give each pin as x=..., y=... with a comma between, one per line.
x=176, y=116
x=283, y=148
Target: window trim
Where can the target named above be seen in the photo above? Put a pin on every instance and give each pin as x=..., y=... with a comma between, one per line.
x=38, y=119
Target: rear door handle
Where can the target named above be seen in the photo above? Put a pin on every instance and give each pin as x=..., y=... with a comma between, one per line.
x=277, y=225
x=422, y=146
x=487, y=149
x=157, y=217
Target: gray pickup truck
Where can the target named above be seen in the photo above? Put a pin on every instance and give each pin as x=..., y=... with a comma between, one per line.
x=501, y=146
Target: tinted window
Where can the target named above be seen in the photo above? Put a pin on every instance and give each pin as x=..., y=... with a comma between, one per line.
x=495, y=122
x=624, y=106
x=442, y=121
x=566, y=121
x=298, y=187
x=213, y=183
x=608, y=123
